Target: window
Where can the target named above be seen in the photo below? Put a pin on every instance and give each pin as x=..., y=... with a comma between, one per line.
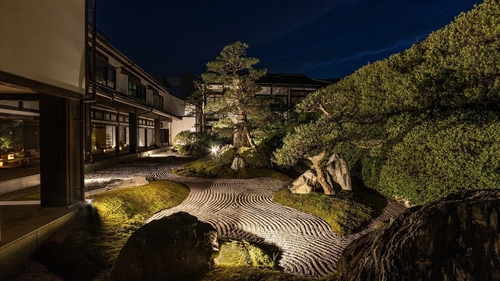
x=142, y=137
x=136, y=89
x=123, y=119
x=213, y=97
x=123, y=133
x=103, y=139
x=157, y=99
x=105, y=74
x=150, y=137
x=98, y=115
x=297, y=96
x=8, y=103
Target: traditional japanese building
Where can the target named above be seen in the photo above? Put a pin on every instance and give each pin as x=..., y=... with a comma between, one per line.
x=68, y=96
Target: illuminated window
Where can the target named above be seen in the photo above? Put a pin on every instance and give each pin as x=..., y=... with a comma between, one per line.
x=105, y=74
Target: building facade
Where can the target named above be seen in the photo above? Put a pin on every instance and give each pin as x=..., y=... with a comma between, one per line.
x=130, y=111
x=289, y=88
x=68, y=96
x=43, y=80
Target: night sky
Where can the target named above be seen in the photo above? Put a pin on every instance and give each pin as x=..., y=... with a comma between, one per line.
x=321, y=39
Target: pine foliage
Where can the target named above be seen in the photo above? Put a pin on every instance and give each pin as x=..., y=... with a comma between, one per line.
x=420, y=124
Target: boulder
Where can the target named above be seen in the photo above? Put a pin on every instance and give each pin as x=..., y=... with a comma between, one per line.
x=304, y=184
x=218, y=153
x=455, y=238
x=131, y=182
x=338, y=169
x=119, y=184
x=243, y=253
x=238, y=163
x=177, y=247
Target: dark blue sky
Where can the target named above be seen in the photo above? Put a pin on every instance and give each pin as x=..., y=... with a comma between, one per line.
x=322, y=39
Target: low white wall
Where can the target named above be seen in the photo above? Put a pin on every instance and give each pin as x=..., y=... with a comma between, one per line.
x=15, y=253
x=19, y=183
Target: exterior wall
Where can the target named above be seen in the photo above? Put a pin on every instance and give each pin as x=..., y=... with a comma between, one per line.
x=154, y=115
x=174, y=105
x=44, y=41
x=289, y=88
x=274, y=90
x=149, y=96
x=121, y=82
x=177, y=105
x=186, y=124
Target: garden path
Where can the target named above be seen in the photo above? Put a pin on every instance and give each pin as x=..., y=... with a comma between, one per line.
x=244, y=209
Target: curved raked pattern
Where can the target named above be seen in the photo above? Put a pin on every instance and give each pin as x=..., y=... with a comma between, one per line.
x=244, y=209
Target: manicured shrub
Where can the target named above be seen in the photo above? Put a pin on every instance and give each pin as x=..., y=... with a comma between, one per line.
x=255, y=159
x=227, y=156
x=450, y=152
x=191, y=143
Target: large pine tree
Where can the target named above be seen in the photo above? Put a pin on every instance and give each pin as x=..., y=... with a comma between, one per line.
x=420, y=124
x=238, y=107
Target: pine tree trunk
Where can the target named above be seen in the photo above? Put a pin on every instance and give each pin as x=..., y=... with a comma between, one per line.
x=316, y=161
x=202, y=121
x=249, y=137
x=239, y=138
x=242, y=137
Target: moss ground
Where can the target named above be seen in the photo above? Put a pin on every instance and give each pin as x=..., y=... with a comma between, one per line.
x=90, y=247
x=246, y=273
x=211, y=168
x=346, y=212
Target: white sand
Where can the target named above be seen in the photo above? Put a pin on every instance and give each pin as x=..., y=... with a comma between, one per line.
x=244, y=209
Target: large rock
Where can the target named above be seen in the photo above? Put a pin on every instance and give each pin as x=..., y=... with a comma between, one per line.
x=238, y=163
x=339, y=170
x=132, y=182
x=304, y=184
x=177, y=247
x=243, y=253
x=218, y=153
x=455, y=238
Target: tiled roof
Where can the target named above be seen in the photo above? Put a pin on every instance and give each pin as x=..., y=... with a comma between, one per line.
x=289, y=79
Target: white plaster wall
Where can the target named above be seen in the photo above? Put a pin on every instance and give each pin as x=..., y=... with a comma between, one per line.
x=173, y=104
x=186, y=124
x=121, y=82
x=264, y=91
x=149, y=96
x=44, y=40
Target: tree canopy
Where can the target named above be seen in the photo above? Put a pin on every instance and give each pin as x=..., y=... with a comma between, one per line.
x=238, y=108
x=371, y=116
